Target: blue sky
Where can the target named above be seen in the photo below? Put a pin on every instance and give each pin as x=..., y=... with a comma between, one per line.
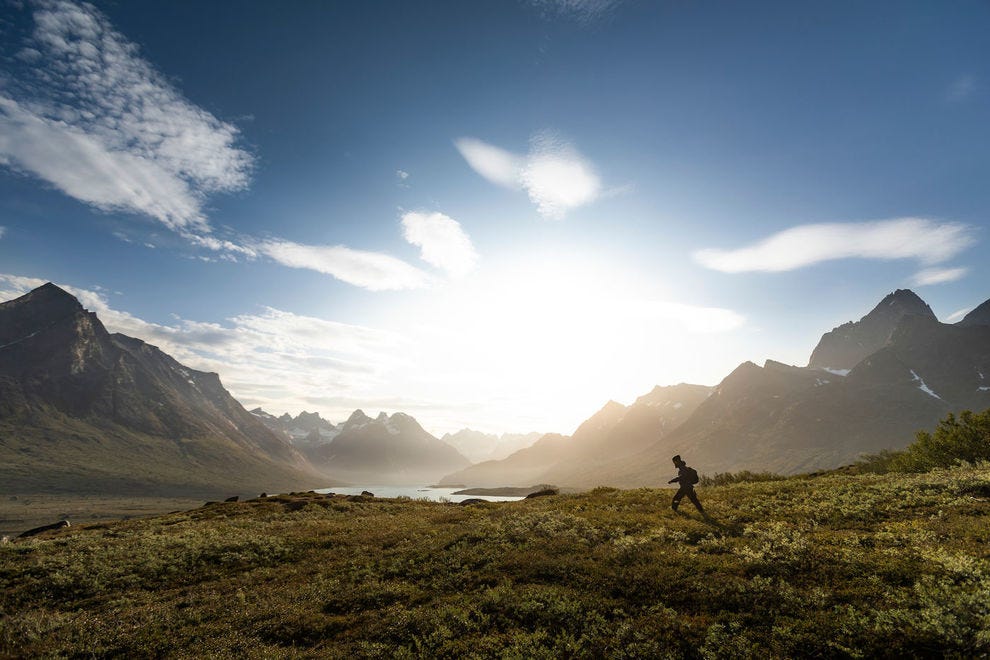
x=491, y=214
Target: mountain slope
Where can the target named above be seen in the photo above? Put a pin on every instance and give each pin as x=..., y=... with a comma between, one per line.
x=84, y=410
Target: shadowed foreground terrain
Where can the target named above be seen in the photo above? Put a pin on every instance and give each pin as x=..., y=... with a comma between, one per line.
x=835, y=565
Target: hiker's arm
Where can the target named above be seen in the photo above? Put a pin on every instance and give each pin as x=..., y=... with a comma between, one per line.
x=674, y=480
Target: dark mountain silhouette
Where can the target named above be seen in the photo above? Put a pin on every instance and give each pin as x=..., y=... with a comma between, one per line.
x=386, y=450
x=614, y=432
x=85, y=410
x=846, y=345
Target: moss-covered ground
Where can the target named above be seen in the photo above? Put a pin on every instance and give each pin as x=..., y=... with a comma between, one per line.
x=840, y=565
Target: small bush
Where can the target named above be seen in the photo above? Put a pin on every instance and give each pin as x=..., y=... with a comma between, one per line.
x=966, y=438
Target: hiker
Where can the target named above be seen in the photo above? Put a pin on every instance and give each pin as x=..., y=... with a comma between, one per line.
x=687, y=477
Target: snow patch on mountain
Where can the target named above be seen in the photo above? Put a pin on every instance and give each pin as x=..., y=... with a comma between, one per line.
x=921, y=385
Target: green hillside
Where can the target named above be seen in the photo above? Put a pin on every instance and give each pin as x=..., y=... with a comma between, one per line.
x=840, y=565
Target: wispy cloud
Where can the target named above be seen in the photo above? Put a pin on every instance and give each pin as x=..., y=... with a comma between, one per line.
x=102, y=125
x=584, y=11
x=958, y=315
x=371, y=270
x=694, y=318
x=99, y=123
x=928, y=241
x=442, y=242
x=961, y=89
x=938, y=276
x=553, y=173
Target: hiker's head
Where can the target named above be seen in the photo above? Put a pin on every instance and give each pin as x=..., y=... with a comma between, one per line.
x=677, y=461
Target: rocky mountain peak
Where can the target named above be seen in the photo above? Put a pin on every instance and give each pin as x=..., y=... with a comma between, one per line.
x=900, y=303
x=357, y=417
x=843, y=347
x=35, y=311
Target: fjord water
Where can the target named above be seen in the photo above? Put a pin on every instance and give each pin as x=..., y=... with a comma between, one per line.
x=416, y=493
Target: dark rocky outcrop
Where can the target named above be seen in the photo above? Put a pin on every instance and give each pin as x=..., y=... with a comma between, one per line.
x=44, y=528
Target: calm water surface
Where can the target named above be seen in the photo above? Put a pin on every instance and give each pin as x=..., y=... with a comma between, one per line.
x=416, y=493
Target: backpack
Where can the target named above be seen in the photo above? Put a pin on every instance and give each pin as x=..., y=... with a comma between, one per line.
x=690, y=476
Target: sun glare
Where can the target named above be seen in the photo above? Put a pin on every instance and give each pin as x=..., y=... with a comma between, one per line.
x=556, y=334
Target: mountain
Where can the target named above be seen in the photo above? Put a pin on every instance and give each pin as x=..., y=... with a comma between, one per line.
x=979, y=316
x=83, y=410
x=477, y=446
x=846, y=345
x=795, y=419
x=614, y=432
x=386, y=450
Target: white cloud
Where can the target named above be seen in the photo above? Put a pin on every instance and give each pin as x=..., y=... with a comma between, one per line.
x=938, y=275
x=82, y=167
x=442, y=242
x=554, y=174
x=497, y=165
x=958, y=315
x=371, y=270
x=402, y=174
x=928, y=241
x=557, y=177
x=99, y=123
x=706, y=320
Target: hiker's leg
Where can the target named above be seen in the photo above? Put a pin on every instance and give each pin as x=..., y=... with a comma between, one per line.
x=677, y=499
x=694, y=499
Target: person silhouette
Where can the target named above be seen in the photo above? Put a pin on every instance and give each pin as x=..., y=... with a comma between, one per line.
x=687, y=477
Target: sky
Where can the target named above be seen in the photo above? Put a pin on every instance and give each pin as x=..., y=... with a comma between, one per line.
x=496, y=215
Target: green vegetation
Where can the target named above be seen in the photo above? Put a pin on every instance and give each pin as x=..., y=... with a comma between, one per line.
x=839, y=565
x=725, y=478
x=965, y=439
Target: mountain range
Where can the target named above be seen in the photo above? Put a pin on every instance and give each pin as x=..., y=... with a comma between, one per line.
x=83, y=410
x=869, y=386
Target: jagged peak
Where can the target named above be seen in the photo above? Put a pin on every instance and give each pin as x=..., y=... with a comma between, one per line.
x=902, y=301
x=382, y=417
x=47, y=294
x=358, y=417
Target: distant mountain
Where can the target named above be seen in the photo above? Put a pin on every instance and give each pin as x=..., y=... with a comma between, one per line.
x=846, y=345
x=386, y=450
x=477, y=446
x=613, y=432
x=83, y=410
x=305, y=431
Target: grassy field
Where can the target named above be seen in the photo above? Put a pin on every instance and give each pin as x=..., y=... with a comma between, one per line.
x=24, y=511
x=866, y=565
